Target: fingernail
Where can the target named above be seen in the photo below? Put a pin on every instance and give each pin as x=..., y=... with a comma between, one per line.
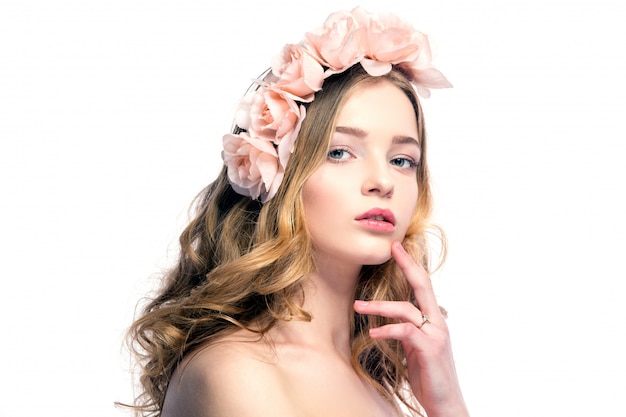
x=374, y=332
x=361, y=303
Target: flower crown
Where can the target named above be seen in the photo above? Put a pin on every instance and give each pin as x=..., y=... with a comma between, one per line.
x=269, y=117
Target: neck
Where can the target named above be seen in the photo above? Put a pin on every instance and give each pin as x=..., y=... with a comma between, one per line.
x=329, y=297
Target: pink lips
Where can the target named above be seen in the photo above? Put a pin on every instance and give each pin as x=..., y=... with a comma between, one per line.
x=377, y=219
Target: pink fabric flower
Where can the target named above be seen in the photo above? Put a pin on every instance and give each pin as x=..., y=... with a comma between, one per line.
x=425, y=78
x=298, y=72
x=252, y=164
x=268, y=113
x=338, y=44
x=256, y=158
x=391, y=40
x=421, y=71
x=287, y=142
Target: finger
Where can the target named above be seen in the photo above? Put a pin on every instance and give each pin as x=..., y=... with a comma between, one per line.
x=418, y=279
x=399, y=310
x=403, y=332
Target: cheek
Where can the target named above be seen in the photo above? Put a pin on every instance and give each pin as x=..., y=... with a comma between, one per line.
x=313, y=199
x=409, y=203
x=319, y=188
x=317, y=200
x=322, y=196
x=409, y=191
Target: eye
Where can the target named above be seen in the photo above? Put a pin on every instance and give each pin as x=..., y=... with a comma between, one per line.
x=338, y=154
x=407, y=163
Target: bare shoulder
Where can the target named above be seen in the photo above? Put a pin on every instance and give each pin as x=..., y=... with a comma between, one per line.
x=236, y=376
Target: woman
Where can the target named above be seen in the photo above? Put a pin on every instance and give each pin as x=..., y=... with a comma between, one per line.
x=302, y=287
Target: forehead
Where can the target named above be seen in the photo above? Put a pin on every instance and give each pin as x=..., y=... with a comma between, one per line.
x=381, y=103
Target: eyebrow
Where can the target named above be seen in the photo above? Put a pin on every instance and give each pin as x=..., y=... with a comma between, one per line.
x=352, y=131
x=360, y=133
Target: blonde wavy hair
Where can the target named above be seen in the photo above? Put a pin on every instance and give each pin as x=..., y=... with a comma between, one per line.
x=242, y=263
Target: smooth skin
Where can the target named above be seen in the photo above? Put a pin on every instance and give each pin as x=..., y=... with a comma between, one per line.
x=303, y=369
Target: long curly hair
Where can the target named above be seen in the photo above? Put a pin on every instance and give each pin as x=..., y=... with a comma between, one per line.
x=242, y=263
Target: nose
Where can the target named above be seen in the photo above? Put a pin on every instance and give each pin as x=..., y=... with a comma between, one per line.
x=378, y=180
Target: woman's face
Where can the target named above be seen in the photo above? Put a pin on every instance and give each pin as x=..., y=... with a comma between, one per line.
x=362, y=197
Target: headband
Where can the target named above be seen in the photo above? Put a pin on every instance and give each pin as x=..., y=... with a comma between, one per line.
x=269, y=117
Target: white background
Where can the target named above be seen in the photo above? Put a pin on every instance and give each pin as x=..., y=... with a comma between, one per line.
x=111, y=117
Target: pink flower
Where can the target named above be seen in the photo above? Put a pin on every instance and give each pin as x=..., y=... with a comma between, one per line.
x=287, y=142
x=389, y=41
x=298, y=72
x=269, y=114
x=253, y=167
x=338, y=44
x=425, y=78
x=421, y=72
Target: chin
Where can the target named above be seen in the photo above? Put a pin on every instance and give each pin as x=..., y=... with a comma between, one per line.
x=374, y=252
x=378, y=259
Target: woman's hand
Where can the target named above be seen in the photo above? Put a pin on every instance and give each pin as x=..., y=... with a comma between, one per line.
x=424, y=335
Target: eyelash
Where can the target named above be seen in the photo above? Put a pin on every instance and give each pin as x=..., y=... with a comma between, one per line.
x=337, y=160
x=412, y=163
